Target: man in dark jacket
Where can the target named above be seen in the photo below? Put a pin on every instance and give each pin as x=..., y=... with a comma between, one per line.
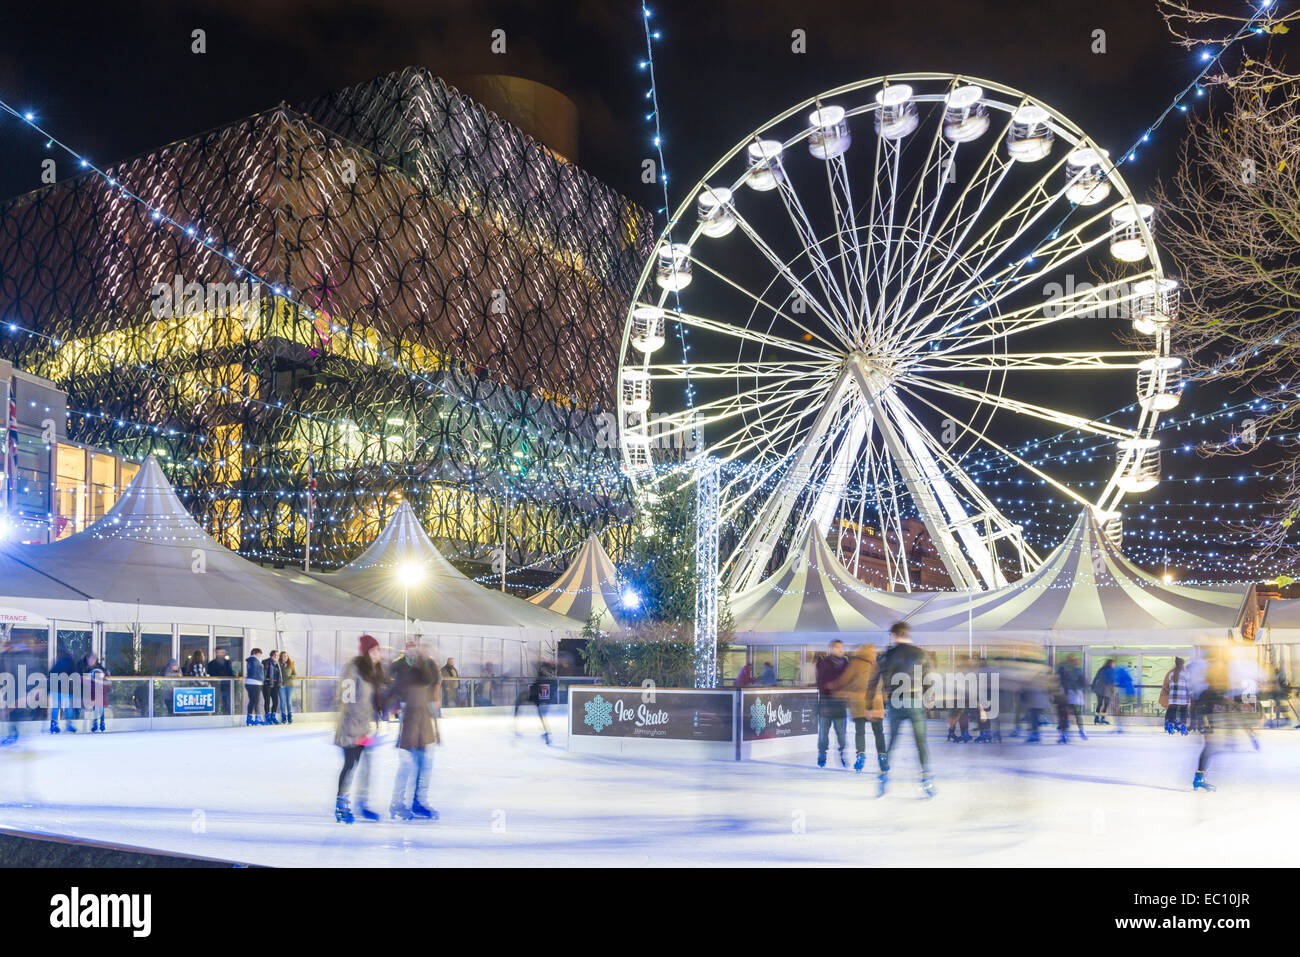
x=902, y=674
x=220, y=667
x=63, y=678
x=254, y=674
x=271, y=687
x=832, y=709
x=414, y=686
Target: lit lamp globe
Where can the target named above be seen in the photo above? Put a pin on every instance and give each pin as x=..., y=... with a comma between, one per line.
x=410, y=573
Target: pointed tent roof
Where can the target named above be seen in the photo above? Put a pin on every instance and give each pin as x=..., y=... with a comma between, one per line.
x=443, y=595
x=1087, y=588
x=146, y=551
x=812, y=593
x=589, y=585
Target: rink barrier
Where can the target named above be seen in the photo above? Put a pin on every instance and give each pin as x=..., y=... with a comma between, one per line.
x=728, y=724
x=144, y=703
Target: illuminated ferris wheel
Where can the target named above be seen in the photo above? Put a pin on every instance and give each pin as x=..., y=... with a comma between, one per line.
x=879, y=292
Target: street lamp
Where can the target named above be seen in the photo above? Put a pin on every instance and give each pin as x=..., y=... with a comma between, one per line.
x=410, y=574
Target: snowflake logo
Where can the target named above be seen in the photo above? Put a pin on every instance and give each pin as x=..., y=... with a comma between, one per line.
x=758, y=716
x=599, y=714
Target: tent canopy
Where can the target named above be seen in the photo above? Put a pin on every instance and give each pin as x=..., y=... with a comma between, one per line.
x=440, y=593
x=1087, y=590
x=813, y=595
x=588, y=586
x=148, y=552
x=1282, y=620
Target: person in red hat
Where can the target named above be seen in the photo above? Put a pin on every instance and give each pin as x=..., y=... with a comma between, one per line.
x=361, y=693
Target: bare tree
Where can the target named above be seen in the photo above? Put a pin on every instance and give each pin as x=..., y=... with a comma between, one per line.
x=1230, y=219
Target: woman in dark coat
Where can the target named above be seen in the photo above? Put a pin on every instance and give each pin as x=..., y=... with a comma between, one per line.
x=361, y=689
x=414, y=691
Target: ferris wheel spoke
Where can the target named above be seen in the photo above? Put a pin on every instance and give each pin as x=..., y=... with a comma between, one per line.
x=1018, y=361
x=983, y=438
x=1055, y=416
x=737, y=370
x=728, y=407
x=797, y=286
x=812, y=250
x=1011, y=226
x=752, y=335
x=846, y=235
x=1081, y=303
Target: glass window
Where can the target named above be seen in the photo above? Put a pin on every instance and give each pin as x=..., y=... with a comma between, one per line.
x=73, y=638
x=731, y=658
x=325, y=654
x=155, y=648
x=129, y=471
x=193, y=639
x=787, y=666
x=233, y=641
x=70, y=490
x=32, y=492
x=119, y=649
x=103, y=484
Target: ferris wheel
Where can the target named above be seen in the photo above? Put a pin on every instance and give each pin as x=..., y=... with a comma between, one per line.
x=879, y=293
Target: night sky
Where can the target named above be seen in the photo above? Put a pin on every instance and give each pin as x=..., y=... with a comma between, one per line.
x=114, y=80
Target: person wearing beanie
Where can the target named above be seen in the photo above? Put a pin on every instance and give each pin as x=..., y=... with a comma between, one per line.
x=361, y=690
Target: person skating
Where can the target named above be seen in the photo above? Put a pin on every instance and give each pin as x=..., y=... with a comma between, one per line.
x=10, y=657
x=1103, y=686
x=901, y=667
x=851, y=686
x=288, y=672
x=271, y=687
x=1125, y=693
x=832, y=711
x=95, y=690
x=254, y=674
x=414, y=690
x=397, y=667
x=1072, y=697
x=1212, y=703
x=1175, y=697
x=361, y=689
x=533, y=696
x=63, y=677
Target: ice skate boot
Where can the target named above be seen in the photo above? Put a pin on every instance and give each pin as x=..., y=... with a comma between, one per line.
x=821, y=759
x=844, y=762
x=288, y=719
x=882, y=783
x=365, y=813
x=952, y=733
x=400, y=812
x=1182, y=729
x=1200, y=783
x=882, y=760
x=1082, y=736
x=69, y=728
x=342, y=813
x=927, y=786
x=546, y=736
x=420, y=811
x=1169, y=727
x=270, y=719
x=965, y=737
x=1015, y=733
x=859, y=762
x=1063, y=739
x=54, y=726
x=1033, y=737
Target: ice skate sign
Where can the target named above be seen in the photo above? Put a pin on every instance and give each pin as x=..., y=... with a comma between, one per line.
x=680, y=715
x=194, y=700
x=778, y=714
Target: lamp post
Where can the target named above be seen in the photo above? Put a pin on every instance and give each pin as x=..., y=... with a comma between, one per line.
x=410, y=574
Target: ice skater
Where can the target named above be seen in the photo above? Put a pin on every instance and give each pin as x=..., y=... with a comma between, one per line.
x=361, y=690
x=1071, y=698
x=254, y=674
x=901, y=667
x=1103, y=687
x=415, y=689
x=63, y=678
x=1175, y=697
x=95, y=690
x=533, y=696
x=831, y=710
x=271, y=687
x=851, y=687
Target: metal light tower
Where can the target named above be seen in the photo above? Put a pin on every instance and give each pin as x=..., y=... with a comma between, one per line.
x=706, y=573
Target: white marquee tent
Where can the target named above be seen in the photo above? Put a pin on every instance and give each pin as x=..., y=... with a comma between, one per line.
x=441, y=598
x=1088, y=592
x=588, y=586
x=812, y=597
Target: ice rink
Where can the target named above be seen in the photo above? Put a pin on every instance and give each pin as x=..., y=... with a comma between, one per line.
x=266, y=795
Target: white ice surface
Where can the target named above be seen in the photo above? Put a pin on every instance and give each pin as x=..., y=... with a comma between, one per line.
x=265, y=795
